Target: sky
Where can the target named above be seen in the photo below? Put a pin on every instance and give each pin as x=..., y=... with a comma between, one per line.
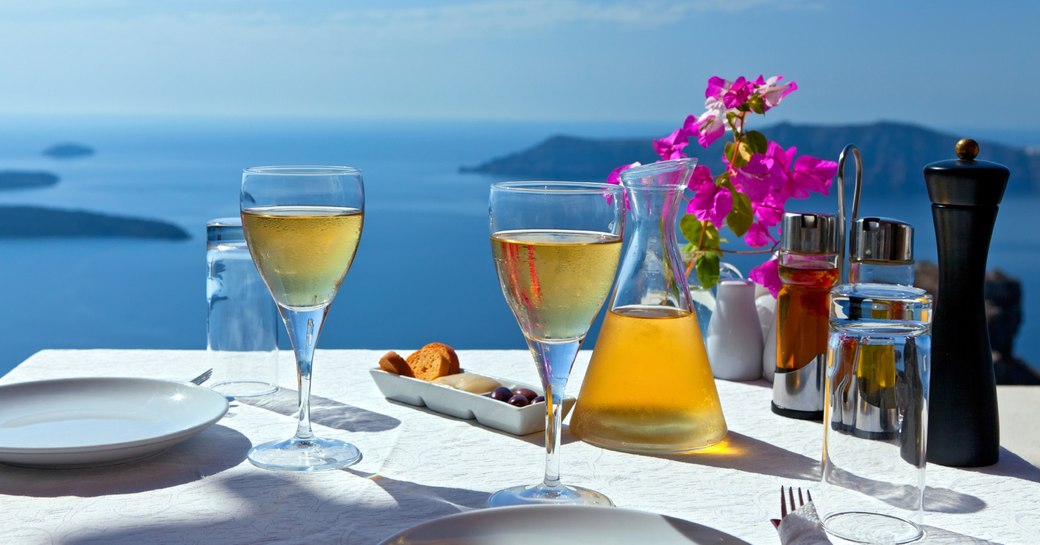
x=950, y=64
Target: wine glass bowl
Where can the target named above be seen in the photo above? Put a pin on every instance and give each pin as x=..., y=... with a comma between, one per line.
x=556, y=246
x=302, y=225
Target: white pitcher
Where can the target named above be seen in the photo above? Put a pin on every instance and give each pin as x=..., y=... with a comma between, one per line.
x=734, y=340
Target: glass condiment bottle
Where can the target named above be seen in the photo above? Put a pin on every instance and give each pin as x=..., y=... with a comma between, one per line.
x=881, y=251
x=808, y=271
x=881, y=262
x=963, y=425
x=649, y=386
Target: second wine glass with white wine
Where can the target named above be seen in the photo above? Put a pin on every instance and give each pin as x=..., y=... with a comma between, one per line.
x=556, y=247
x=302, y=225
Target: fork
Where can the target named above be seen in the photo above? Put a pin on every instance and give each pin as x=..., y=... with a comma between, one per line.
x=784, y=502
x=202, y=378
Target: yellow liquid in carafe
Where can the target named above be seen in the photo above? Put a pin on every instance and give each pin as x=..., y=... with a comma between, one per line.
x=649, y=386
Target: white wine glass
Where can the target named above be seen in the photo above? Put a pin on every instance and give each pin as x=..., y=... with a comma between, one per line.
x=556, y=247
x=302, y=225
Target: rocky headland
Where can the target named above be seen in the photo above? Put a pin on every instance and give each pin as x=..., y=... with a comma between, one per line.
x=42, y=222
x=893, y=154
x=26, y=179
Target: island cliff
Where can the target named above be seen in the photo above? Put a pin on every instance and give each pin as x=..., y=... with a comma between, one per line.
x=893, y=153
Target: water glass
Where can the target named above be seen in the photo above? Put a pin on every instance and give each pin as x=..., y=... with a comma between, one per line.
x=242, y=325
x=876, y=413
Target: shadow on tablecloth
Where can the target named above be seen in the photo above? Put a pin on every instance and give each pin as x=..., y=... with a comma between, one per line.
x=324, y=411
x=214, y=450
x=284, y=508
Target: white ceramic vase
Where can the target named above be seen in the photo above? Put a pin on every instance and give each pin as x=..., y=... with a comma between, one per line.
x=734, y=340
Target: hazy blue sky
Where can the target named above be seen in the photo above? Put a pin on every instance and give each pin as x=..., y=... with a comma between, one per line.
x=951, y=64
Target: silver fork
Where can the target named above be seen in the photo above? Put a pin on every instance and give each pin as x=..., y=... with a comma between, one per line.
x=785, y=502
x=202, y=378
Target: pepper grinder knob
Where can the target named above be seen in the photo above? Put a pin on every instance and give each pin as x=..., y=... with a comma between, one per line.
x=967, y=149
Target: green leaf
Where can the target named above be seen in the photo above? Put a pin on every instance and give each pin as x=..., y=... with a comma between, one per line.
x=757, y=142
x=711, y=237
x=742, y=156
x=727, y=150
x=707, y=266
x=691, y=228
x=756, y=104
x=740, y=218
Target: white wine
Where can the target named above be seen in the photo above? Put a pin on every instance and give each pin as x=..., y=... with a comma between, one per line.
x=555, y=280
x=303, y=252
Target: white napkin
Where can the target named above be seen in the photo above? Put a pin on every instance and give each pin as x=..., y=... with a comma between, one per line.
x=803, y=527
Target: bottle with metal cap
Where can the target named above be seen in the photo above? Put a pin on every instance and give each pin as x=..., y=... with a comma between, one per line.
x=963, y=426
x=808, y=270
x=881, y=251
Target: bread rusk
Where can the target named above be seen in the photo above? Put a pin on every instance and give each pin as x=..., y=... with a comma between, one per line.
x=392, y=362
x=455, y=368
x=430, y=363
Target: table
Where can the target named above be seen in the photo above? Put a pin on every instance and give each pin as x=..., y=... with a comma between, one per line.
x=419, y=465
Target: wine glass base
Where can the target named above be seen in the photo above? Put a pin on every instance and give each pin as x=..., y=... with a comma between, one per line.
x=304, y=455
x=540, y=494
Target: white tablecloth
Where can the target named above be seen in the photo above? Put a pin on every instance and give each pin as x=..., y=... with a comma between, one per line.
x=419, y=465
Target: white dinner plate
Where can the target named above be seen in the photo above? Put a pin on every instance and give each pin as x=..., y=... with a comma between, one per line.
x=560, y=524
x=97, y=421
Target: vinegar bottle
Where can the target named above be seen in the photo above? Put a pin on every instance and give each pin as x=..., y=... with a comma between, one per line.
x=649, y=386
x=808, y=270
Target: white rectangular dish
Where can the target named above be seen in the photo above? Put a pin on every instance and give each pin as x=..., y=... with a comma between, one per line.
x=459, y=404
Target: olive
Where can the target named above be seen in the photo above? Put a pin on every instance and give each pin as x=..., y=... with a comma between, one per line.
x=526, y=392
x=501, y=393
x=538, y=399
x=518, y=400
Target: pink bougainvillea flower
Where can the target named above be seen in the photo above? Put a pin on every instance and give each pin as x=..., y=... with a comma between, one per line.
x=671, y=146
x=796, y=179
x=615, y=175
x=767, y=275
x=730, y=93
x=716, y=87
x=772, y=91
x=710, y=202
x=768, y=211
x=814, y=174
x=758, y=235
x=712, y=123
x=738, y=93
x=759, y=178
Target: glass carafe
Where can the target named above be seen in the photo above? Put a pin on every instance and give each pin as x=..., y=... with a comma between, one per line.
x=649, y=386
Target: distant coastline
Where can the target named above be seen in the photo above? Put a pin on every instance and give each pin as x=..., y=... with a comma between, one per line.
x=41, y=222
x=894, y=154
x=33, y=222
x=27, y=179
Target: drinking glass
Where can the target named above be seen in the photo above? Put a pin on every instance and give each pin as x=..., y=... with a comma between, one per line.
x=302, y=225
x=876, y=413
x=556, y=247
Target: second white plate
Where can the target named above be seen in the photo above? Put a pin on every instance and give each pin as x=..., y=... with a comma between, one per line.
x=560, y=525
x=96, y=421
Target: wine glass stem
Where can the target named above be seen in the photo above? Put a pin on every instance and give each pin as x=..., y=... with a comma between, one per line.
x=303, y=327
x=553, y=426
x=554, y=360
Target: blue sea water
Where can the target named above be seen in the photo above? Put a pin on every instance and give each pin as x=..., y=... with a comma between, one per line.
x=423, y=271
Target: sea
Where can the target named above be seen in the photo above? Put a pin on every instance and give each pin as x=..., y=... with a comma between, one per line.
x=423, y=271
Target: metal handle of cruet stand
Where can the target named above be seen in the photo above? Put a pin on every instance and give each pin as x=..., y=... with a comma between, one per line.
x=856, y=191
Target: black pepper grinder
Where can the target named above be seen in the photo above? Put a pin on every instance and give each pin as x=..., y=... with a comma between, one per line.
x=963, y=426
